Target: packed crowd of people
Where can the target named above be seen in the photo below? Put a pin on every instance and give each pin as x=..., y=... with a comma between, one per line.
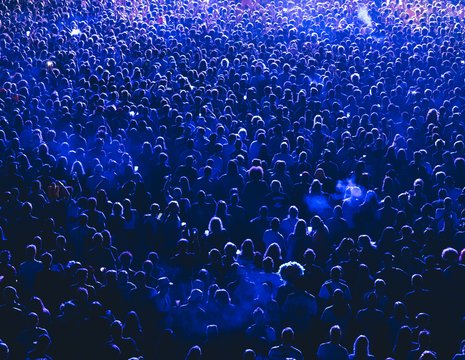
x=188, y=179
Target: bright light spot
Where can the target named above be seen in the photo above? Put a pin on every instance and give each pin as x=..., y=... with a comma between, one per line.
x=356, y=191
x=49, y=63
x=75, y=32
x=364, y=16
x=132, y=113
x=28, y=33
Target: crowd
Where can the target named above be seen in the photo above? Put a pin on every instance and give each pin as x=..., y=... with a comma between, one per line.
x=187, y=179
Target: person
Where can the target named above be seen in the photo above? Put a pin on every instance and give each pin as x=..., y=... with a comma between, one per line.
x=404, y=343
x=285, y=350
x=29, y=269
x=13, y=314
x=127, y=345
x=300, y=308
x=194, y=353
x=333, y=349
x=287, y=225
x=424, y=346
x=41, y=349
x=4, y=351
x=461, y=354
x=260, y=329
x=361, y=349
x=336, y=282
x=298, y=241
x=373, y=322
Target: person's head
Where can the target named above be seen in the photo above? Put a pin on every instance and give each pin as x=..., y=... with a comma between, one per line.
x=427, y=355
x=43, y=343
x=361, y=346
x=249, y=354
x=4, y=351
x=117, y=208
x=230, y=250
x=423, y=320
x=116, y=329
x=309, y=256
x=163, y=285
x=182, y=245
x=291, y=271
x=337, y=211
x=338, y=298
x=336, y=272
x=31, y=252
x=275, y=223
x=82, y=275
x=92, y=203
x=247, y=248
x=263, y=211
x=268, y=264
x=380, y=286
x=147, y=267
x=97, y=239
x=215, y=225
x=195, y=297
x=212, y=332
x=125, y=259
x=111, y=277
x=222, y=297
x=139, y=279
x=424, y=339
x=293, y=212
x=10, y=295
x=300, y=228
x=450, y=256
x=194, y=353
x=83, y=219
x=154, y=258
x=274, y=251
x=47, y=260
x=335, y=334
x=132, y=321
x=275, y=186
x=173, y=208
x=404, y=336
x=417, y=282
x=399, y=310
x=256, y=173
x=287, y=336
